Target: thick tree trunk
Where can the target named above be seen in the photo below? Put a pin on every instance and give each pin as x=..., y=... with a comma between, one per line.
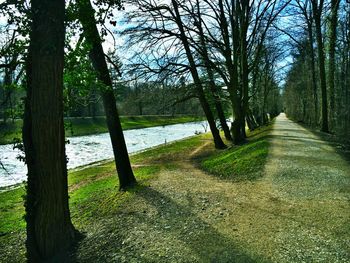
x=331, y=62
x=49, y=227
x=97, y=56
x=317, y=10
x=219, y=144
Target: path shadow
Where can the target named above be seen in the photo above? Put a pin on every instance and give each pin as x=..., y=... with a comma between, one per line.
x=339, y=144
x=207, y=243
x=127, y=235
x=70, y=255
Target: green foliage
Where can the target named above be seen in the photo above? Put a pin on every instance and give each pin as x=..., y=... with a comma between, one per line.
x=10, y=131
x=80, y=80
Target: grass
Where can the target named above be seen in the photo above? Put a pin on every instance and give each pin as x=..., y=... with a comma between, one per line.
x=93, y=191
x=241, y=163
x=87, y=126
x=93, y=194
x=180, y=213
x=98, y=184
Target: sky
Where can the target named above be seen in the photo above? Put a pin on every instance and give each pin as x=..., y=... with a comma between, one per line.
x=117, y=44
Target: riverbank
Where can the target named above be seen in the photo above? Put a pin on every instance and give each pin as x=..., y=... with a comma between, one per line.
x=87, y=126
x=93, y=190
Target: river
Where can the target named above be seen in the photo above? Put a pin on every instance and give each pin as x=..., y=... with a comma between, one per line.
x=83, y=150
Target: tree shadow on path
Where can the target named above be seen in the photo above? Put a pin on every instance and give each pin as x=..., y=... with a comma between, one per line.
x=203, y=239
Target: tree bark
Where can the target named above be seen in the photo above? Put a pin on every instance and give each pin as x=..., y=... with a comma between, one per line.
x=97, y=56
x=49, y=227
x=331, y=62
x=219, y=144
x=313, y=74
x=317, y=10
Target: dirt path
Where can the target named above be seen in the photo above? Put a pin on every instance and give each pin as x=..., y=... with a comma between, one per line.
x=297, y=212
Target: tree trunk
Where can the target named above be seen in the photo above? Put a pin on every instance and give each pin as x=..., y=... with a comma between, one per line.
x=220, y=111
x=244, y=20
x=219, y=144
x=49, y=227
x=97, y=56
x=331, y=62
x=231, y=55
x=313, y=71
x=317, y=10
x=213, y=88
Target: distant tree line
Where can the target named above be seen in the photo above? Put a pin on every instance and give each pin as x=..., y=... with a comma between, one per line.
x=317, y=85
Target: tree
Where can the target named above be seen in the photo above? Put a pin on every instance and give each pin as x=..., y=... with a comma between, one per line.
x=331, y=54
x=205, y=105
x=97, y=56
x=159, y=25
x=306, y=11
x=317, y=9
x=215, y=91
x=49, y=227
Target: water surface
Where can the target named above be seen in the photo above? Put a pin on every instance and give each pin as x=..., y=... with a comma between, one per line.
x=83, y=150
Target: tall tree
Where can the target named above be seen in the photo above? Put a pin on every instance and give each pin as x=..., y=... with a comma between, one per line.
x=219, y=144
x=97, y=56
x=331, y=54
x=49, y=227
x=213, y=87
x=317, y=9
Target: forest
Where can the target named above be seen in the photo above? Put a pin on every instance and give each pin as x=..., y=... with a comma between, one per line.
x=174, y=131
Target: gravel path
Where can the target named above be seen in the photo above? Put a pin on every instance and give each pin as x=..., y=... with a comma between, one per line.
x=298, y=212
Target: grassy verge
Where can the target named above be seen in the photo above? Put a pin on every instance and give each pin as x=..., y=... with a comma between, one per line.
x=87, y=126
x=241, y=163
x=94, y=195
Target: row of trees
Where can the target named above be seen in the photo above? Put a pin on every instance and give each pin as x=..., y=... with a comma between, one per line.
x=221, y=45
x=317, y=86
x=81, y=87
x=223, y=53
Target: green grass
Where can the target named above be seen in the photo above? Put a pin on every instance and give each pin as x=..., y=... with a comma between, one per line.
x=93, y=192
x=12, y=211
x=84, y=184
x=87, y=126
x=241, y=163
